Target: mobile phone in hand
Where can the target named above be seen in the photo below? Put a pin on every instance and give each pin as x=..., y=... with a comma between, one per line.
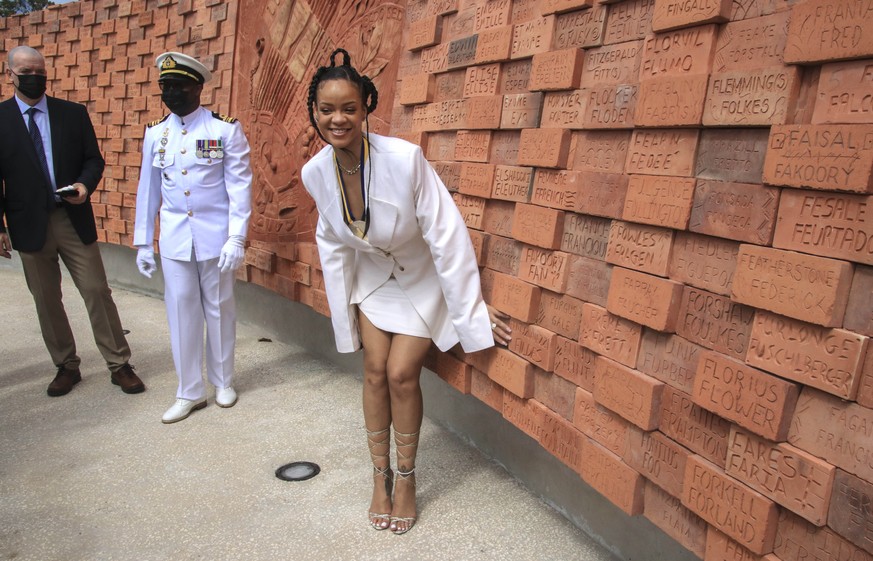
x=68, y=191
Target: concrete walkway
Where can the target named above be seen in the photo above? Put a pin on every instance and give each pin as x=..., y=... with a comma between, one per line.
x=96, y=476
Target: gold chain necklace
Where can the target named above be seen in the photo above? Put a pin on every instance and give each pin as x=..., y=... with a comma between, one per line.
x=352, y=171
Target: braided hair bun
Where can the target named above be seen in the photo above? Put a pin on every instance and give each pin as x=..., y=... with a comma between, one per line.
x=342, y=71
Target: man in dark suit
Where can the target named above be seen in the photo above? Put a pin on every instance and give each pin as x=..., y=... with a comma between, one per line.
x=50, y=164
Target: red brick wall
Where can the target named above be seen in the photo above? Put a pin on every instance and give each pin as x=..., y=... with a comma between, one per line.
x=680, y=223
x=672, y=200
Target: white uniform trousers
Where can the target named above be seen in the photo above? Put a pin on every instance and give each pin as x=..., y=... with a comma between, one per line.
x=196, y=292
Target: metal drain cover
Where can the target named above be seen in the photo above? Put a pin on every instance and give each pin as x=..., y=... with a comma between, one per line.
x=298, y=471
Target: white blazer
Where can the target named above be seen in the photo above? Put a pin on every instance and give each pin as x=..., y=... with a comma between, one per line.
x=416, y=233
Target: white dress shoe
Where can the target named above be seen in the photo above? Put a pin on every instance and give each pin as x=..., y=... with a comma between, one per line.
x=225, y=397
x=181, y=409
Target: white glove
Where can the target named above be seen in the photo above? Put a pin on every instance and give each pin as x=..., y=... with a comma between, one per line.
x=232, y=254
x=145, y=260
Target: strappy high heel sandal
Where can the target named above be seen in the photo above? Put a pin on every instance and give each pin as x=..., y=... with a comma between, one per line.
x=377, y=520
x=402, y=524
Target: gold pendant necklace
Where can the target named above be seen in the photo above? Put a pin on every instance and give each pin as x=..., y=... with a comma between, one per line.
x=352, y=171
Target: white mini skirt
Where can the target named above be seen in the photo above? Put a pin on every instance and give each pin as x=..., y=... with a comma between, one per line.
x=390, y=309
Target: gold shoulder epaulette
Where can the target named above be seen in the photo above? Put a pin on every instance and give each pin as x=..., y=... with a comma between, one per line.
x=159, y=121
x=224, y=118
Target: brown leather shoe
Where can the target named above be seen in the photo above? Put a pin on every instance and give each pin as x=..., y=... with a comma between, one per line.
x=127, y=380
x=64, y=381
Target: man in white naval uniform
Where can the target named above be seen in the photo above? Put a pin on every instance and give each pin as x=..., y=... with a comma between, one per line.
x=195, y=171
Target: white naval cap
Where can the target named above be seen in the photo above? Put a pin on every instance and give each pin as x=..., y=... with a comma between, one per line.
x=177, y=65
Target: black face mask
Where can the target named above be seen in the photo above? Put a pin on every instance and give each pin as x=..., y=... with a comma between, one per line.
x=175, y=100
x=31, y=85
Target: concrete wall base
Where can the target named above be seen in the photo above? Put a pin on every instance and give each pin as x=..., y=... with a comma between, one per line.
x=629, y=538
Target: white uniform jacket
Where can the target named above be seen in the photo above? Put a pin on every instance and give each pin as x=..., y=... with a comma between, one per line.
x=416, y=233
x=201, y=182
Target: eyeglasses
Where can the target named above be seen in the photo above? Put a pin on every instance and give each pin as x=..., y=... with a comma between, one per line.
x=175, y=85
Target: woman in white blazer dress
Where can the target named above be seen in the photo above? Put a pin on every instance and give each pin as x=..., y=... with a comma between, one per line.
x=399, y=272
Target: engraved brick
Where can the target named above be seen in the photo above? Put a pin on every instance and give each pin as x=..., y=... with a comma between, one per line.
x=757, y=42
x=544, y=268
x=524, y=10
x=599, y=423
x=472, y=210
x=482, y=112
x=669, y=358
x=472, y=146
x=486, y=390
x=512, y=372
x=694, y=427
x=556, y=189
x=538, y=225
x=643, y=248
x=704, y=262
x=660, y=459
x=557, y=394
x=662, y=152
x=544, y=147
x=761, y=96
x=633, y=395
x=417, y=89
x=574, y=363
x=664, y=201
x=435, y=59
x=449, y=172
x=424, y=33
x=609, y=335
x=517, y=298
x=865, y=388
x=611, y=106
x=628, y=20
x=743, y=9
x=798, y=539
x=492, y=14
x=671, y=101
x=526, y=414
x=604, y=193
x=504, y=150
x=850, y=514
x=512, y=183
x=612, y=478
x=719, y=547
x=645, y=299
x=564, y=109
x=844, y=93
x=560, y=314
x=454, y=372
x=516, y=75
x=672, y=14
x=476, y=179
x=732, y=155
x=482, y=80
x=461, y=52
x=822, y=30
x=835, y=430
x=667, y=513
x=533, y=343
x=450, y=85
x=601, y=151
x=828, y=224
x=732, y=389
x=441, y=7
x=685, y=52
x=815, y=155
x=859, y=310
x=796, y=480
x=585, y=235
x=556, y=70
x=441, y=147
x=498, y=217
x=738, y=211
x=503, y=255
x=828, y=359
x=493, y=45
x=741, y=513
x=715, y=322
x=562, y=439
x=613, y=64
x=813, y=289
x=532, y=37
x=521, y=111
x=582, y=28
x=589, y=280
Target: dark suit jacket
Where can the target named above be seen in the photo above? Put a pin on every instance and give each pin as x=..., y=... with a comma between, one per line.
x=24, y=201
